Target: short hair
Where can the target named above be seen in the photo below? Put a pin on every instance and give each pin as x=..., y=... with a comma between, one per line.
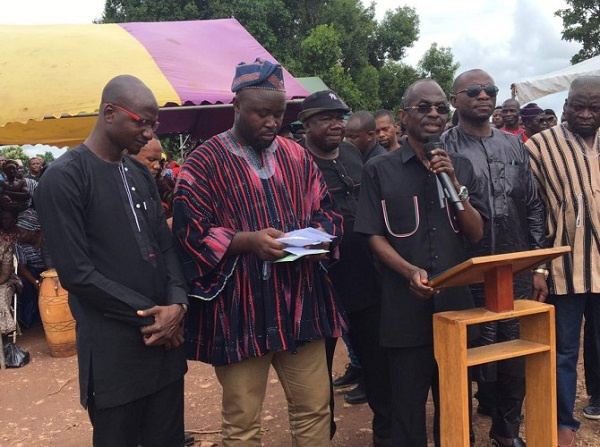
x=366, y=121
x=458, y=79
x=585, y=84
x=550, y=112
x=409, y=91
x=384, y=112
x=498, y=108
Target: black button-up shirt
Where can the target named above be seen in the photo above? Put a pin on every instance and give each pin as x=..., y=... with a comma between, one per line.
x=399, y=200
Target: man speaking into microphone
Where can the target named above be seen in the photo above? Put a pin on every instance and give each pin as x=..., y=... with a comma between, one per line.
x=416, y=232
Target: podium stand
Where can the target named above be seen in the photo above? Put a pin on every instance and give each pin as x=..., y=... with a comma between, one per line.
x=537, y=344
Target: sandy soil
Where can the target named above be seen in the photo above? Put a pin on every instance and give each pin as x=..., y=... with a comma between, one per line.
x=39, y=406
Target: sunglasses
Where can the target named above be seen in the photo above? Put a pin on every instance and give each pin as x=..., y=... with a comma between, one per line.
x=442, y=109
x=141, y=122
x=474, y=90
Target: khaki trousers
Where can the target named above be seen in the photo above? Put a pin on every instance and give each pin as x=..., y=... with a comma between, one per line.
x=305, y=381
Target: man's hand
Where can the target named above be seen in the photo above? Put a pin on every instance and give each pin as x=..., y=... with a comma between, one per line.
x=418, y=281
x=319, y=257
x=441, y=163
x=540, y=288
x=263, y=244
x=166, y=326
x=176, y=340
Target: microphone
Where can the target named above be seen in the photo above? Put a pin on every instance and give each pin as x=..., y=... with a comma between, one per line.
x=435, y=143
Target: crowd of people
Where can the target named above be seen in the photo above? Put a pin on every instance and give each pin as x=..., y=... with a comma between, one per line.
x=166, y=262
x=22, y=254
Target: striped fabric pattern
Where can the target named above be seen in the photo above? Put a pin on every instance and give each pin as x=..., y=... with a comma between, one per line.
x=568, y=174
x=240, y=306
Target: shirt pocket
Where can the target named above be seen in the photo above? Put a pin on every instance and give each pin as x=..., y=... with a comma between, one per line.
x=516, y=179
x=401, y=215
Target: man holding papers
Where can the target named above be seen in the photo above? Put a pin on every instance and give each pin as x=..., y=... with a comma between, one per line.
x=236, y=195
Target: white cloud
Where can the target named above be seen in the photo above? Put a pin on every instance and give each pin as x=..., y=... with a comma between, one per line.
x=511, y=40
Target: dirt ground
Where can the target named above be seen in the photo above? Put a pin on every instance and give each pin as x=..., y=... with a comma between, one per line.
x=39, y=406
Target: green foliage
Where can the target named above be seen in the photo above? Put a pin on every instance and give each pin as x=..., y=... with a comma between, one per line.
x=438, y=64
x=581, y=23
x=15, y=153
x=47, y=156
x=398, y=30
x=394, y=79
x=338, y=40
x=320, y=49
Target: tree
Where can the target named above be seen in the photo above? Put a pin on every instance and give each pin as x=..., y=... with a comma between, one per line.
x=438, y=64
x=581, y=23
x=338, y=40
x=15, y=153
x=47, y=156
x=394, y=79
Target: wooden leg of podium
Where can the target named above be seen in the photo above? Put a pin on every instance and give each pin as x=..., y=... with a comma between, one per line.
x=450, y=347
x=540, y=371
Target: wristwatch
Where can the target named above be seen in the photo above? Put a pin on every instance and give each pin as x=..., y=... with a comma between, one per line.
x=544, y=272
x=463, y=193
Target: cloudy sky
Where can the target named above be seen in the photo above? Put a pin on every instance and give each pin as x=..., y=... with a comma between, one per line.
x=511, y=39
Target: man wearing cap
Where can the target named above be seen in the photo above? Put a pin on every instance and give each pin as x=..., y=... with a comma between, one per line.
x=516, y=223
x=109, y=241
x=551, y=117
x=354, y=277
x=534, y=120
x=236, y=195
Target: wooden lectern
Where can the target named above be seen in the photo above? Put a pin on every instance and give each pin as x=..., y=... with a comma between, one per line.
x=537, y=344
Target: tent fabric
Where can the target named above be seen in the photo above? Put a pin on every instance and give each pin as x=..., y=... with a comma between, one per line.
x=557, y=81
x=58, y=71
x=313, y=84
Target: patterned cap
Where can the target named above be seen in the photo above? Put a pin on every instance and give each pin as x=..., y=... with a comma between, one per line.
x=28, y=220
x=531, y=110
x=261, y=74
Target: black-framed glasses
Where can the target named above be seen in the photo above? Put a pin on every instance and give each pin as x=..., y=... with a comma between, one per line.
x=474, y=90
x=442, y=109
x=141, y=122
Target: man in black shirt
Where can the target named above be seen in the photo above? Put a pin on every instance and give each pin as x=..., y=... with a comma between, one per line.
x=354, y=276
x=109, y=241
x=360, y=131
x=415, y=233
x=516, y=223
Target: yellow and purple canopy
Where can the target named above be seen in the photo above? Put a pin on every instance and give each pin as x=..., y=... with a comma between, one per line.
x=52, y=75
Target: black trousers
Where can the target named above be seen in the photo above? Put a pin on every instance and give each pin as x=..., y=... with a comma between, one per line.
x=591, y=357
x=364, y=337
x=413, y=373
x=501, y=385
x=152, y=421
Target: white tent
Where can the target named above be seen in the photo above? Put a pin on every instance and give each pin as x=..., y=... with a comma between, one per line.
x=557, y=81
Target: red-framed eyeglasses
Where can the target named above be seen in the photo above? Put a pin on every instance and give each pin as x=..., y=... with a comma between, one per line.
x=141, y=122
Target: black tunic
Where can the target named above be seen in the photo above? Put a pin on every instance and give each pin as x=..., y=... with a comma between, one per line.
x=113, y=252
